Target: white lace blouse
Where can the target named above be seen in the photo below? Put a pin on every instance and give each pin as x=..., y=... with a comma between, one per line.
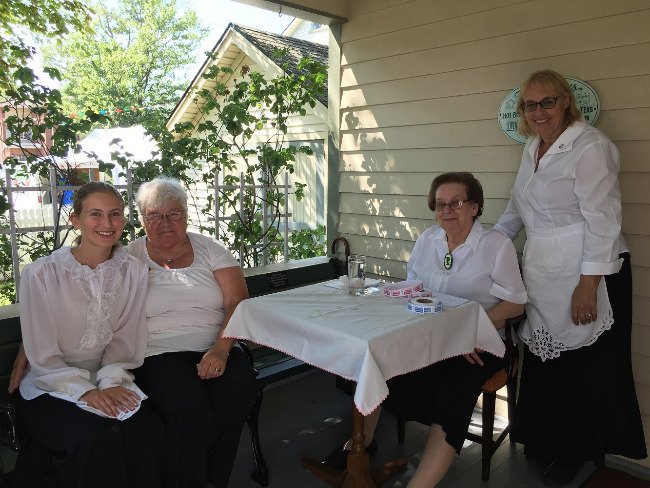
x=82, y=328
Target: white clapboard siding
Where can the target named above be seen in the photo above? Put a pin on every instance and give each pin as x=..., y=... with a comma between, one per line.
x=628, y=61
x=495, y=23
x=641, y=313
x=421, y=83
x=635, y=223
x=439, y=159
x=624, y=29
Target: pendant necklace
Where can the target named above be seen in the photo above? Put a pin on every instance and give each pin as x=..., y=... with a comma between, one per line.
x=448, y=261
x=166, y=261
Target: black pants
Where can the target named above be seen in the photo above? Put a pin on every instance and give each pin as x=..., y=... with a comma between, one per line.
x=203, y=418
x=71, y=448
x=582, y=405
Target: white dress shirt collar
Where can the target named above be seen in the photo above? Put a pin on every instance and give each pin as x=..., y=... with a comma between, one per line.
x=562, y=144
x=472, y=238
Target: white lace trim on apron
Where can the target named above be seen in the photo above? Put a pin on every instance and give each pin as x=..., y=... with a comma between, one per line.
x=551, y=270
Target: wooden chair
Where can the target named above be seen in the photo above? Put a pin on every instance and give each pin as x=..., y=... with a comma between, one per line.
x=506, y=377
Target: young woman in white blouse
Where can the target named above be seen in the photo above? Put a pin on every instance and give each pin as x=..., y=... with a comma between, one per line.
x=457, y=257
x=83, y=328
x=577, y=399
x=202, y=387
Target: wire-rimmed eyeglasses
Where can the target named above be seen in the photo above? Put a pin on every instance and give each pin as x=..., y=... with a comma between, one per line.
x=156, y=218
x=453, y=205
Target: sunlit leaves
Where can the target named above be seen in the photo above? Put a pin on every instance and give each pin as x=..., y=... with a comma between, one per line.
x=238, y=108
x=133, y=62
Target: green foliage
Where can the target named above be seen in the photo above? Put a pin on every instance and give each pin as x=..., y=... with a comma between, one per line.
x=32, y=111
x=307, y=243
x=46, y=18
x=130, y=63
x=7, y=288
x=224, y=140
x=22, y=99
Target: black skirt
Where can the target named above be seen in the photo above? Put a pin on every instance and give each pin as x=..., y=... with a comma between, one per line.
x=203, y=418
x=68, y=447
x=444, y=393
x=582, y=405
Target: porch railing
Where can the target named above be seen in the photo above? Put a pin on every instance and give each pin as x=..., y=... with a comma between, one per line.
x=47, y=216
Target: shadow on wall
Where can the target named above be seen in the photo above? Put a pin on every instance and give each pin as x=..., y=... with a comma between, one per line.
x=385, y=193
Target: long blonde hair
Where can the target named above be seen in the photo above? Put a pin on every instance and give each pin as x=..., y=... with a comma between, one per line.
x=554, y=81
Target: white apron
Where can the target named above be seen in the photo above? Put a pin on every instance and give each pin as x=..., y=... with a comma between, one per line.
x=551, y=270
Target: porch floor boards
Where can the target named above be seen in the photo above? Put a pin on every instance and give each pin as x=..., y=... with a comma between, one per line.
x=308, y=416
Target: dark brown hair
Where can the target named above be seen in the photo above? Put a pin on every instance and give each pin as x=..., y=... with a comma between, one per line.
x=472, y=187
x=88, y=189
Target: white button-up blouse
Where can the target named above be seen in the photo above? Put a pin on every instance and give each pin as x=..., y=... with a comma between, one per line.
x=484, y=269
x=577, y=181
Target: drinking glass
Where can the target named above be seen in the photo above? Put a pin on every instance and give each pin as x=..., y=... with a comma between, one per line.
x=356, y=274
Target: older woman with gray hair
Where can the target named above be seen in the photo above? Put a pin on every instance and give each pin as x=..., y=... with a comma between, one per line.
x=200, y=383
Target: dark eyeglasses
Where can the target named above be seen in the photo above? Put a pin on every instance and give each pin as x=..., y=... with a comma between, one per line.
x=156, y=218
x=547, y=103
x=453, y=205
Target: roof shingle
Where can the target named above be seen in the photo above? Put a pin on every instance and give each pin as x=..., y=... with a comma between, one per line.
x=296, y=49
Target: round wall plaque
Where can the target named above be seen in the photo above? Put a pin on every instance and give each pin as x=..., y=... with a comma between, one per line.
x=586, y=97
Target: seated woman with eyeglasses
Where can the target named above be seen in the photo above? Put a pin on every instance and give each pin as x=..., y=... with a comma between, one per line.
x=199, y=384
x=457, y=257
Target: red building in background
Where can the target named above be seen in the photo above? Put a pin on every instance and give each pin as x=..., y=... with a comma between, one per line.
x=27, y=144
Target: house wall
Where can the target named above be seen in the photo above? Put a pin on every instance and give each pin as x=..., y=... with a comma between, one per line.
x=421, y=83
x=27, y=146
x=308, y=31
x=308, y=130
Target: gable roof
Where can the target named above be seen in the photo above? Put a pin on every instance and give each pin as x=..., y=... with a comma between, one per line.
x=260, y=46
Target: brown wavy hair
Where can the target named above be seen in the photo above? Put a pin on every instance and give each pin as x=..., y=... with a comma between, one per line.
x=472, y=186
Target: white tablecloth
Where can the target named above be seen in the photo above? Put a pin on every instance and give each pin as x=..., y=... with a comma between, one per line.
x=368, y=339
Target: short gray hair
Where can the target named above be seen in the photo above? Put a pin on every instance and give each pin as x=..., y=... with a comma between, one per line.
x=157, y=192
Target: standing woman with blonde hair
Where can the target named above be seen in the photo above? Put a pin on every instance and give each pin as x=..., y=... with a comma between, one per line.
x=577, y=400
x=83, y=328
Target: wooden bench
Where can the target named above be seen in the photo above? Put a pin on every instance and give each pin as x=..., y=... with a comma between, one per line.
x=271, y=365
x=10, y=339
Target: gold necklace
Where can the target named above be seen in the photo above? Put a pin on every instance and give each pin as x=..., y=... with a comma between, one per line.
x=167, y=261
